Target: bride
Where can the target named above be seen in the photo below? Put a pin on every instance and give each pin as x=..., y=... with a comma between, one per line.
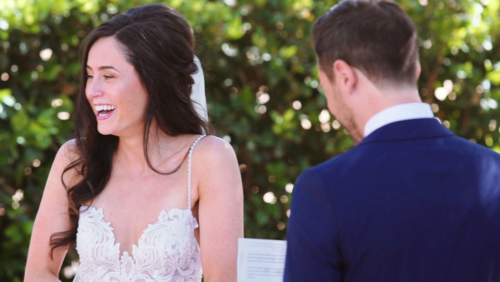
x=132, y=187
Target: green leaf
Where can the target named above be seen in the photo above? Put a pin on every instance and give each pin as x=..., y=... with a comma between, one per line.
x=288, y=52
x=20, y=121
x=494, y=77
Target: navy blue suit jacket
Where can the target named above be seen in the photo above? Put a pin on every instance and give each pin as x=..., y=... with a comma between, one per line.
x=411, y=202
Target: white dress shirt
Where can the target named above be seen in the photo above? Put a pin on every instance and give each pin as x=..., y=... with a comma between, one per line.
x=398, y=113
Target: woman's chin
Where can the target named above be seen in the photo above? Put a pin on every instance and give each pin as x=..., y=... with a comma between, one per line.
x=105, y=131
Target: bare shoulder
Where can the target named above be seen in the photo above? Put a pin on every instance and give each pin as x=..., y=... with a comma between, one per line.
x=216, y=168
x=67, y=155
x=214, y=157
x=214, y=149
x=68, y=152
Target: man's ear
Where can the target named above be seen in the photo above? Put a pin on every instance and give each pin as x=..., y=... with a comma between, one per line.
x=418, y=70
x=345, y=76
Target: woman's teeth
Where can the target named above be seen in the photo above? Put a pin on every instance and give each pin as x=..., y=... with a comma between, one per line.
x=104, y=108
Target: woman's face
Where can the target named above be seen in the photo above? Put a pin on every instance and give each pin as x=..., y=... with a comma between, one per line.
x=114, y=90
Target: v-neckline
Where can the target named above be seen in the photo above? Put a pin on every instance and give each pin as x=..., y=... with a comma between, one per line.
x=111, y=229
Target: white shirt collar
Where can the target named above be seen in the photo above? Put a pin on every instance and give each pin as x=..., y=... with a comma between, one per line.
x=398, y=113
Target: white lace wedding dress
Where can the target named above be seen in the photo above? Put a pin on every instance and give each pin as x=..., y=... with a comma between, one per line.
x=167, y=250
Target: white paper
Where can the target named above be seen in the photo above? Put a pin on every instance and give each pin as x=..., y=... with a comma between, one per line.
x=261, y=260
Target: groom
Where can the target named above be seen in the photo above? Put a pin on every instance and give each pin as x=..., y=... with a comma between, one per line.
x=412, y=201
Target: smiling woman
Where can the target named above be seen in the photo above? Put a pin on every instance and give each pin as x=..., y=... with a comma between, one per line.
x=133, y=162
x=114, y=89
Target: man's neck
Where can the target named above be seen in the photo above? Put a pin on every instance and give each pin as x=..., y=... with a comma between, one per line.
x=384, y=99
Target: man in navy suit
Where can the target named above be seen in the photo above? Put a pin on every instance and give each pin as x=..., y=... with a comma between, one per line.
x=412, y=201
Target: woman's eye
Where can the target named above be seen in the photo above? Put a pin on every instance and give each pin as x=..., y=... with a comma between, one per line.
x=108, y=76
x=89, y=76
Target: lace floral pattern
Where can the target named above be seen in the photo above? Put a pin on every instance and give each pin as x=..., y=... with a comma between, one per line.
x=167, y=250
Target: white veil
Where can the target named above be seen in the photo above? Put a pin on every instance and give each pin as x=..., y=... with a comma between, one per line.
x=198, y=92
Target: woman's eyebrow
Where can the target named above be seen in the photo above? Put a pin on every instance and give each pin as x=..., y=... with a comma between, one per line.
x=103, y=68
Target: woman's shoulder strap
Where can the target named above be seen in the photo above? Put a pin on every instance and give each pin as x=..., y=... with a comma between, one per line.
x=189, y=167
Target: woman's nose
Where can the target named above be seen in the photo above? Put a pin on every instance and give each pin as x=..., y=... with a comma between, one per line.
x=94, y=89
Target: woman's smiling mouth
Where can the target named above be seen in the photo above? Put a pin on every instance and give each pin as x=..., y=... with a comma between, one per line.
x=104, y=111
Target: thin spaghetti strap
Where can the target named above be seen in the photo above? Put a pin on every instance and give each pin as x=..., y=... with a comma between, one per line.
x=189, y=168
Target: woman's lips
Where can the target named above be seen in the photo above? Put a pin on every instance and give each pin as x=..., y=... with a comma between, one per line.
x=103, y=115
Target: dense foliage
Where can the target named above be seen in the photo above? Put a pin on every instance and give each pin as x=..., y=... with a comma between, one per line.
x=262, y=91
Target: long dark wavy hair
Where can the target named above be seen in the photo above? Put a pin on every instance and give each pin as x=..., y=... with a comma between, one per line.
x=158, y=42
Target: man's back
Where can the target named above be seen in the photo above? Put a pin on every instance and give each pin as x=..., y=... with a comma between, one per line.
x=412, y=202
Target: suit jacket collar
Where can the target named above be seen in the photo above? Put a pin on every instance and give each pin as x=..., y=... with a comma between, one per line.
x=408, y=129
x=396, y=113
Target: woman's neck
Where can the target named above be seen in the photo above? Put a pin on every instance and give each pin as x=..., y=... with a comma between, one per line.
x=161, y=148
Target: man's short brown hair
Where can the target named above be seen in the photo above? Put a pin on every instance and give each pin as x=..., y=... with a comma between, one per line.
x=375, y=36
